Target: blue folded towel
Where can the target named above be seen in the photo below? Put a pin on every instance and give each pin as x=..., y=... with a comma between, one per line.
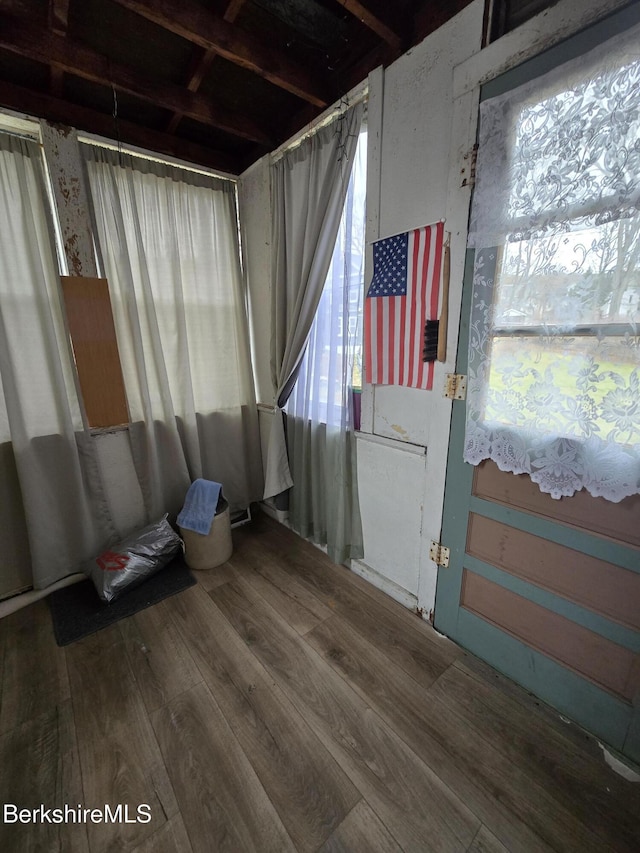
x=200, y=506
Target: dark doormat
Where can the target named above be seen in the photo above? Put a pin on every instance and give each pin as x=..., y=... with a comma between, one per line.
x=77, y=611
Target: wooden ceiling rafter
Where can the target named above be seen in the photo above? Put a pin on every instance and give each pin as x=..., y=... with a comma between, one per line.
x=204, y=28
x=75, y=58
x=177, y=98
x=202, y=60
x=58, y=22
x=378, y=56
x=59, y=15
x=59, y=111
x=375, y=16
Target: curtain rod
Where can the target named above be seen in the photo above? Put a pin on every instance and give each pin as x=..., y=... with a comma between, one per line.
x=144, y=154
x=17, y=134
x=19, y=124
x=355, y=96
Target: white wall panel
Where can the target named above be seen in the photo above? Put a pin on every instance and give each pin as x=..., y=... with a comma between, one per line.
x=391, y=483
x=418, y=148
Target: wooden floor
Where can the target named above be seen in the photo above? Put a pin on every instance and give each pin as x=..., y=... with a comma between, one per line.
x=284, y=704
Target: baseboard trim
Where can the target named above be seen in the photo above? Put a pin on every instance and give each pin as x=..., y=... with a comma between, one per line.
x=24, y=599
x=393, y=590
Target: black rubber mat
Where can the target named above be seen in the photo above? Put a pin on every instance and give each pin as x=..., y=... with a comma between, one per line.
x=77, y=611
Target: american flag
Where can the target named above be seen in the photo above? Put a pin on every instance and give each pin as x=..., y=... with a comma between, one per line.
x=403, y=294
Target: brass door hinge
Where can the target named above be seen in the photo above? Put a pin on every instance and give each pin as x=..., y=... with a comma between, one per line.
x=456, y=386
x=439, y=554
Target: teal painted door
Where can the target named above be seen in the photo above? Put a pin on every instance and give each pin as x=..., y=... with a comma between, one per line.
x=546, y=591
x=514, y=594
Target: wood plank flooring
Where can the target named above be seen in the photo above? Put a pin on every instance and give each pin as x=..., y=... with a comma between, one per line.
x=284, y=704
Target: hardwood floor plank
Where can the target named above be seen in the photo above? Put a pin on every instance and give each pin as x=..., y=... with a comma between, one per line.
x=336, y=738
x=418, y=809
x=284, y=601
x=486, y=842
x=280, y=540
x=211, y=578
x=253, y=552
x=602, y=800
x=119, y=755
x=69, y=787
x=39, y=762
x=361, y=831
x=523, y=815
x=410, y=642
x=170, y=838
x=224, y=806
x=310, y=792
x=30, y=647
x=159, y=658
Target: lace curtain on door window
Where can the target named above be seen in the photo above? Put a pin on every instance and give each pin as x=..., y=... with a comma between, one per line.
x=554, y=353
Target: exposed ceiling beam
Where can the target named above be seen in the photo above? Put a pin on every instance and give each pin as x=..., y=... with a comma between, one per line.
x=233, y=10
x=381, y=54
x=58, y=22
x=202, y=60
x=71, y=56
x=62, y=112
x=59, y=15
x=430, y=16
x=202, y=27
x=375, y=15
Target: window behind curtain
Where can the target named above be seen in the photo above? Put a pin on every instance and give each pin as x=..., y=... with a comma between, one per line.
x=32, y=318
x=554, y=376
x=60, y=489
x=172, y=245
x=332, y=366
x=169, y=244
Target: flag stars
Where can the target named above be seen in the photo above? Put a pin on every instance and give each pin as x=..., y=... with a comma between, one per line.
x=390, y=267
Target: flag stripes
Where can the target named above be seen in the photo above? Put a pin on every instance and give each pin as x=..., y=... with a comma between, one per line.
x=394, y=324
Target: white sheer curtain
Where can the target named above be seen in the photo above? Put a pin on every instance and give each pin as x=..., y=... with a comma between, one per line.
x=309, y=184
x=320, y=417
x=554, y=353
x=67, y=515
x=169, y=244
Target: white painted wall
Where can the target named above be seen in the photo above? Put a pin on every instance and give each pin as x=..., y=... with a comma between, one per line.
x=411, y=116
x=422, y=120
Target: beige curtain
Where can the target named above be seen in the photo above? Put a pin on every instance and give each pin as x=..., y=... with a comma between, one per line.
x=309, y=185
x=169, y=245
x=68, y=519
x=324, y=504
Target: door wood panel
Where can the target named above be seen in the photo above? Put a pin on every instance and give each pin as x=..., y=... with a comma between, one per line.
x=607, y=664
x=612, y=591
x=619, y=521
